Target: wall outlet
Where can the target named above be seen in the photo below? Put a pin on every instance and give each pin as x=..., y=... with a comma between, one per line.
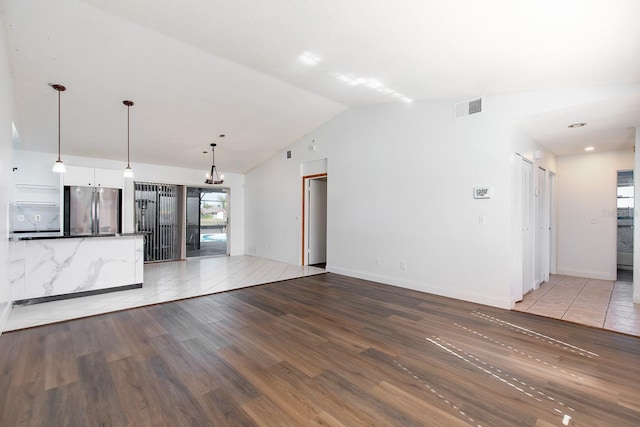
x=377, y=261
x=403, y=265
x=37, y=218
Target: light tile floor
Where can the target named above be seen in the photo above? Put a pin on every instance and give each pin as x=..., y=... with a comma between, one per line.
x=599, y=303
x=164, y=282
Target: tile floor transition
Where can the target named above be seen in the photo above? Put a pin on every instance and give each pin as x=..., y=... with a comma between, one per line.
x=599, y=303
x=167, y=281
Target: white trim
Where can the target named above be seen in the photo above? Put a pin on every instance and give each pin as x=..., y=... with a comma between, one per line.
x=505, y=303
x=600, y=275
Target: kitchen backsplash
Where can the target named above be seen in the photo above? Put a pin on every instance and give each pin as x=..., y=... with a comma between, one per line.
x=29, y=218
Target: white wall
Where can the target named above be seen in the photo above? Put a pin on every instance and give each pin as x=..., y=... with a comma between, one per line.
x=400, y=180
x=400, y=187
x=587, y=192
x=6, y=120
x=157, y=174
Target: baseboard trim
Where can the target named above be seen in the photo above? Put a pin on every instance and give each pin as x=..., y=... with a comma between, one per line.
x=426, y=288
x=599, y=275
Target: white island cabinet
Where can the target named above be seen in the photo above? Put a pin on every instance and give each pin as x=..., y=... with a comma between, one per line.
x=44, y=269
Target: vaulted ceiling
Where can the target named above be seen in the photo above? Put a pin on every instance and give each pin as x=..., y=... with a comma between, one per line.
x=265, y=73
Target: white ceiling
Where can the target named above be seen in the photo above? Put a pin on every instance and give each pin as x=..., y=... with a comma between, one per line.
x=610, y=126
x=199, y=68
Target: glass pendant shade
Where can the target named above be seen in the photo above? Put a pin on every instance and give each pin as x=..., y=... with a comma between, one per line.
x=128, y=172
x=58, y=167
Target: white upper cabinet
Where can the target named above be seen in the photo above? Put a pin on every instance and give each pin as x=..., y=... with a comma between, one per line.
x=79, y=175
x=93, y=177
x=110, y=178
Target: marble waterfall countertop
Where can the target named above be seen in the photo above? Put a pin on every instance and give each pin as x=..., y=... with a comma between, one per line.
x=43, y=267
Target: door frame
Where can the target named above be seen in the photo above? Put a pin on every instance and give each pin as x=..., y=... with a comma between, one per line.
x=528, y=252
x=201, y=191
x=304, y=210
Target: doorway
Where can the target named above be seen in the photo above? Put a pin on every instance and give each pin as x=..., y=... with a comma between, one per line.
x=314, y=220
x=625, y=211
x=207, y=222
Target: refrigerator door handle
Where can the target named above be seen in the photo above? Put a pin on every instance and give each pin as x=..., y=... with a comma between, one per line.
x=96, y=224
x=93, y=212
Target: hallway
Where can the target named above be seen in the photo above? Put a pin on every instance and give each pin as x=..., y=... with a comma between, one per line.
x=598, y=303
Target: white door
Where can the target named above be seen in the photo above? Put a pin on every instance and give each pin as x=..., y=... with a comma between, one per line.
x=542, y=229
x=527, y=227
x=317, y=221
x=552, y=224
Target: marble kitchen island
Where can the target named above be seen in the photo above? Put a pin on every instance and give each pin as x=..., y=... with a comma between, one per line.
x=49, y=267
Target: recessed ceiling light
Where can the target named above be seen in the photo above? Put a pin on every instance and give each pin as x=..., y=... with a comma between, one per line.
x=589, y=148
x=577, y=125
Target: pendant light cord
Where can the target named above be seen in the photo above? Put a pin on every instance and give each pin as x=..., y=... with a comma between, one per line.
x=58, y=125
x=59, y=88
x=128, y=168
x=128, y=163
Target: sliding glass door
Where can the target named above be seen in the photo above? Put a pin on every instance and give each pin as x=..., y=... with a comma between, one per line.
x=207, y=222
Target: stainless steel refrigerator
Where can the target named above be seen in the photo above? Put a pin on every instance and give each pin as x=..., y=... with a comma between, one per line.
x=91, y=210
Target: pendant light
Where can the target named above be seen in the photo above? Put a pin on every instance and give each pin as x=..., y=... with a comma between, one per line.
x=58, y=166
x=128, y=172
x=212, y=177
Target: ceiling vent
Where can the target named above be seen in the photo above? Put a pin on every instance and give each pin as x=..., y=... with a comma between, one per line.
x=463, y=109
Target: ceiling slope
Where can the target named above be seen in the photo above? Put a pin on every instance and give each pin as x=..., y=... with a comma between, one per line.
x=267, y=73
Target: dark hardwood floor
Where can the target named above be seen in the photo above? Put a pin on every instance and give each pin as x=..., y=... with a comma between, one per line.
x=322, y=350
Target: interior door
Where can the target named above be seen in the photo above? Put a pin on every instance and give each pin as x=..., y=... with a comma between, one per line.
x=542, y=229
x=317, y=221
x=527, y=227
x=551, y=235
